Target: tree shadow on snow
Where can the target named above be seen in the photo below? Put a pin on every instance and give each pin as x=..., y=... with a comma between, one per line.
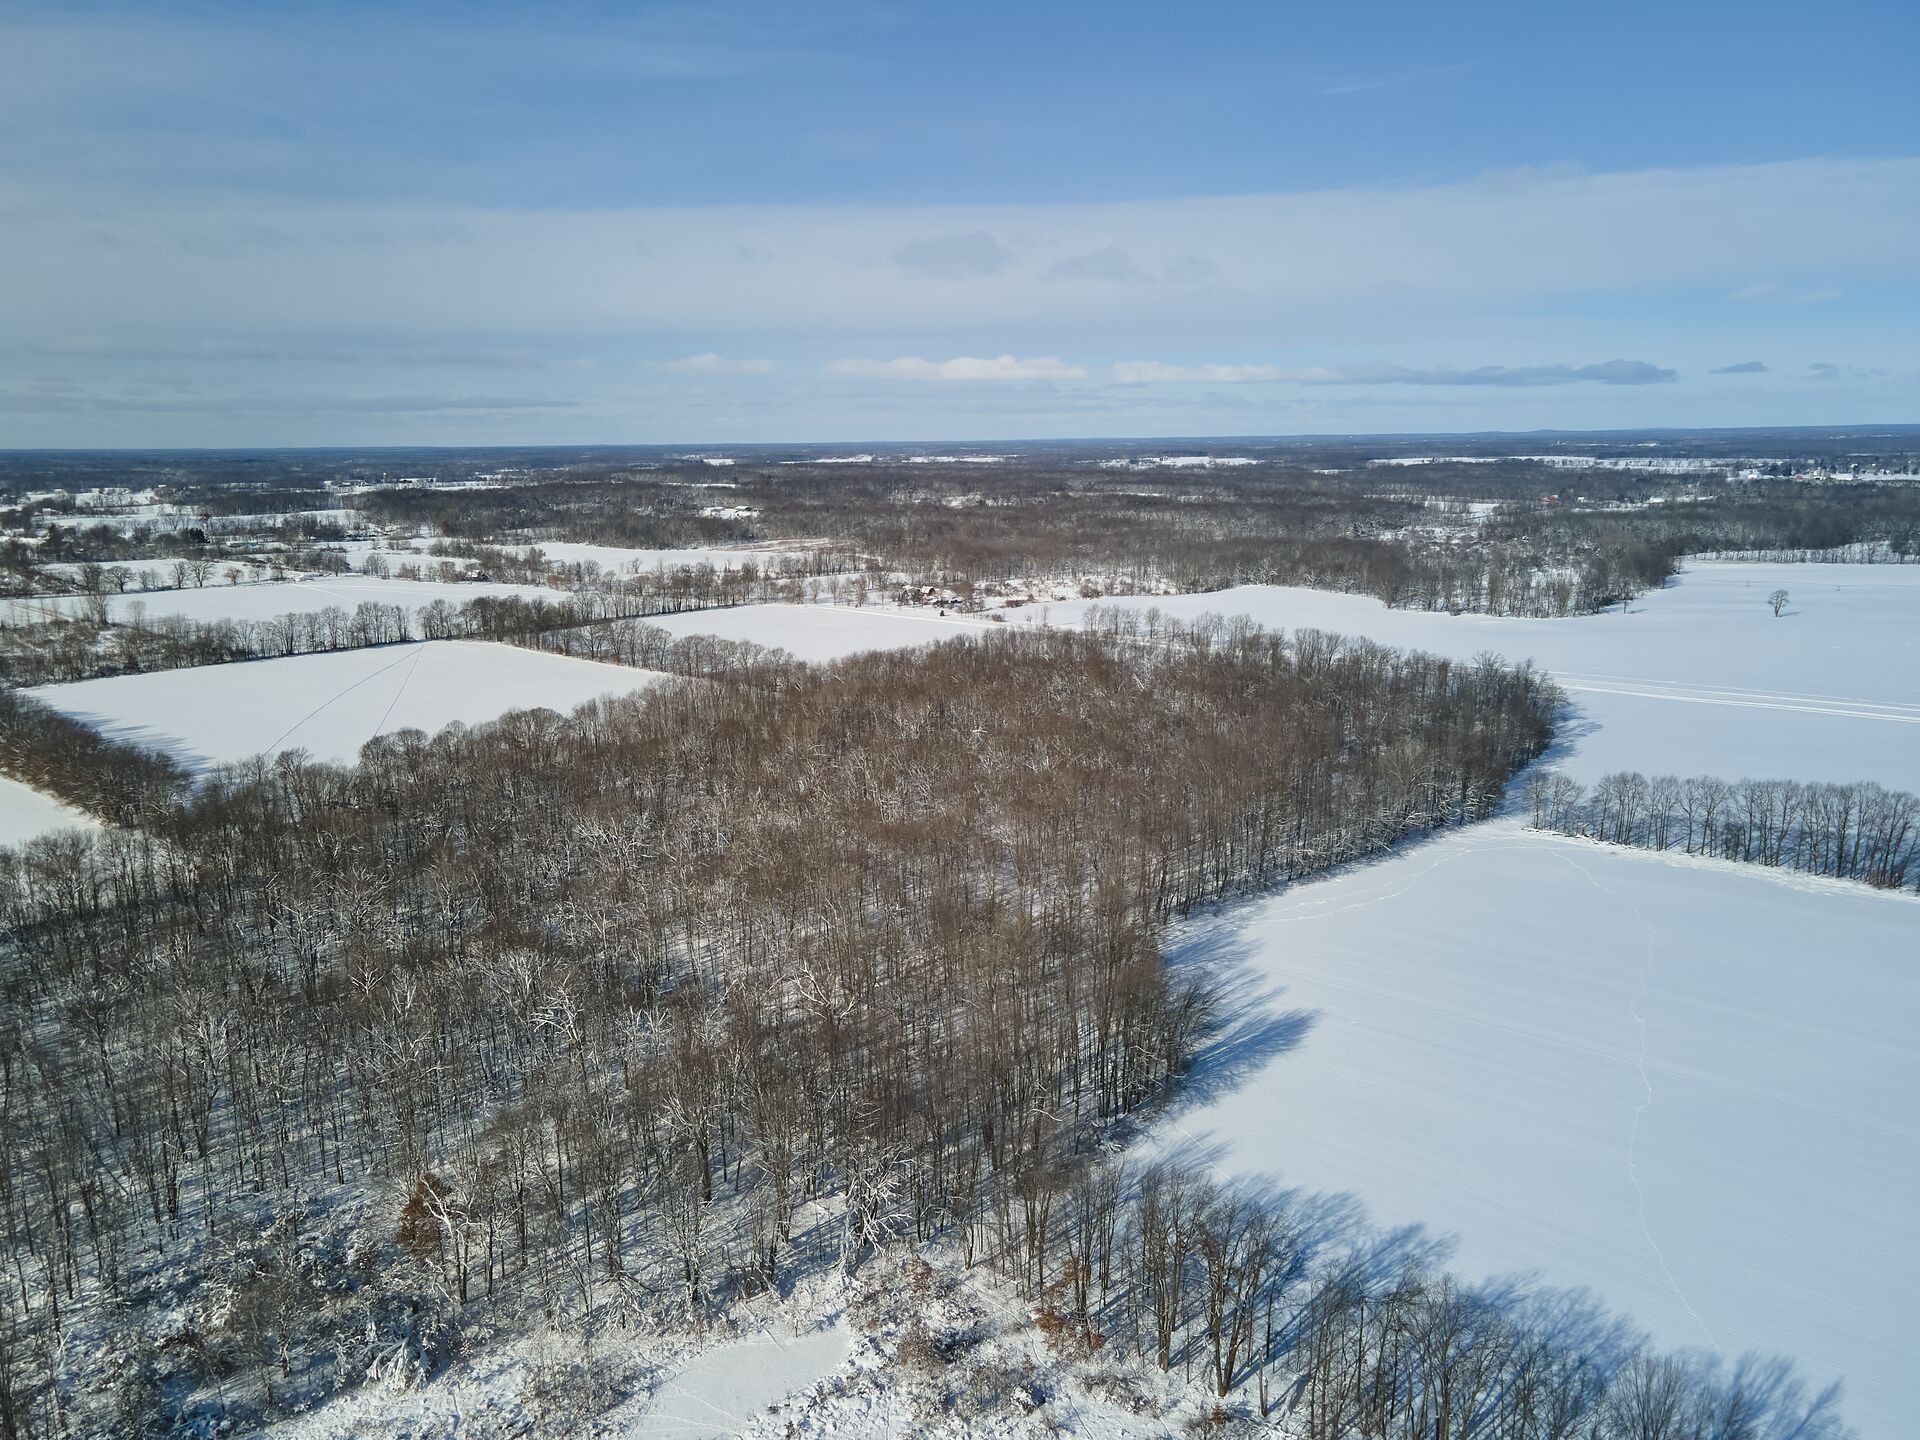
x=1250, y=1030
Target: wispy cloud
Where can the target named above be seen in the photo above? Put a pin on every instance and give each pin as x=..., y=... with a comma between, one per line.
x=72, y=401
x=1152, y=372
x=711, y=363
x=1605, y=372
x=970, y=256
x=1778, y=292
x=961, y=367
x=1229, y=269
x=1109, y=263
x=1393, y=82
x=1745, y=367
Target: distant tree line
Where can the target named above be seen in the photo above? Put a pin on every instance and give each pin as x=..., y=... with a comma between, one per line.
x=1856, y=831
x=84, y=647
x=1554, y=540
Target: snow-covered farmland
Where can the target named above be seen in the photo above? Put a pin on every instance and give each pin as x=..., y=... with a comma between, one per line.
x=1684, y=1084
x=25, y=813
x=332, y=704
x=820, y=633
x=622, y=560
x=1697, y=678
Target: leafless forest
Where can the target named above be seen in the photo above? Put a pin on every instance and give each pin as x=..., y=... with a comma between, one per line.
x=1847, y=832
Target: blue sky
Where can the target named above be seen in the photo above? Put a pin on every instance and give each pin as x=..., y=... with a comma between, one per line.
x=472, y=223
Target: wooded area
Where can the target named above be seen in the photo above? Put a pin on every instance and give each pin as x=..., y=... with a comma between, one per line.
x=1849, y=832
x=600, y=1001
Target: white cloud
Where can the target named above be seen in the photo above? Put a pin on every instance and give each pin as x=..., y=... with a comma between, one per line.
x=961, y=367
x=1152, y=372
x=709, y=363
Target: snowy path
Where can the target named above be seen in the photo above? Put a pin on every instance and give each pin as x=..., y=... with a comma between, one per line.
x=1683, y=1084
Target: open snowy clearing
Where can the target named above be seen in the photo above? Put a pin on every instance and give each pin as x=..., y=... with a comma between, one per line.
x=720, y=1393
x=25, y=813
x=1684, y=1084
x=332, y=704
x=268, y=599
x=819, y=633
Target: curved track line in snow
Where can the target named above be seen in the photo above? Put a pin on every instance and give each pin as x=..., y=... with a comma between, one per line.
x=1646, y=1083
x=1911, y=716
x=1742, y=691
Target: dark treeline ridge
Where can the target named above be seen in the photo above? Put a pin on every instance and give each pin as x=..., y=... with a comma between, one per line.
x=1479, y=528
x=1857, y=831
x=574, y=1012
x=1559, y=541
x=82, y=647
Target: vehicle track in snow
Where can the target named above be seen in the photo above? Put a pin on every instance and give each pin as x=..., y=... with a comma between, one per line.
x=1900, y=714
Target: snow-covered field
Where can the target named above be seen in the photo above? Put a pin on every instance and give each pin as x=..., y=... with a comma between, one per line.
x=332, y=704
x=1686, y=1085
x=621, y=559
x=25, y=813
x=820, y=633
x=270, y=598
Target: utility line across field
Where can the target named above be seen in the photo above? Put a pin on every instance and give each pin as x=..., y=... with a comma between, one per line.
x=373, y=675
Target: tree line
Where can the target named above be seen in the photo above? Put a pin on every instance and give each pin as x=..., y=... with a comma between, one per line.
x=319, y=1065
x=1857, y=831
x=83, y=647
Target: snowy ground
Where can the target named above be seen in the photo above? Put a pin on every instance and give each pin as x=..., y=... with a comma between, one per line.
x=719, y=1393
x=25, y=813
x=332, y=704
x=820, y=633
x=620, y=558
x=1684, y=1084
x=270, y=598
